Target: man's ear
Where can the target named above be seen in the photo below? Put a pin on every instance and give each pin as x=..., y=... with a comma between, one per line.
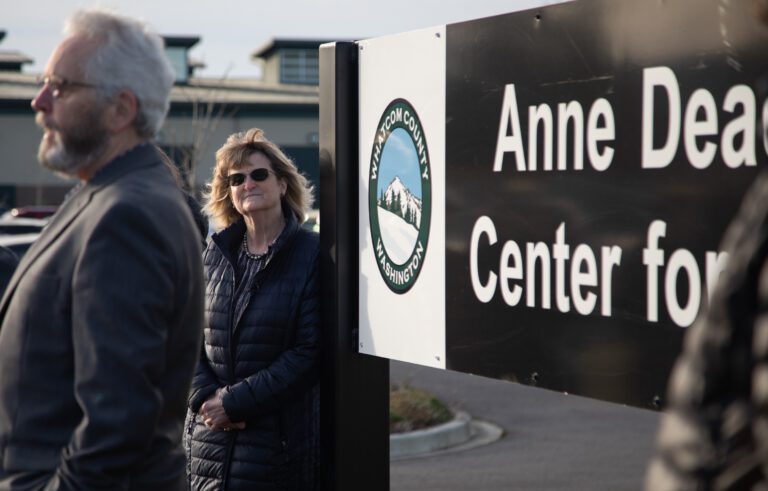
x=123, y=112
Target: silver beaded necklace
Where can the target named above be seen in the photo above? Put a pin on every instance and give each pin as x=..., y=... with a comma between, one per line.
x=253, y=256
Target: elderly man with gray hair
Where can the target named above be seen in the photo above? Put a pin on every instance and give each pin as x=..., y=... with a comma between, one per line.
x=100, y=326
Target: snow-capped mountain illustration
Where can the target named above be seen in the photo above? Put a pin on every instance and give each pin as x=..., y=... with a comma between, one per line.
x=399, y=200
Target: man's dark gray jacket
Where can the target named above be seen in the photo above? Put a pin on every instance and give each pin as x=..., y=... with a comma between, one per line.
x=100, y=332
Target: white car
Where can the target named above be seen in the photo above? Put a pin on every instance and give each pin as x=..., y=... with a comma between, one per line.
x=14, y=226
x=18, y=243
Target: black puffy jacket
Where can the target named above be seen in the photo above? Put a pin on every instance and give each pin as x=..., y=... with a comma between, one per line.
x=266, y=358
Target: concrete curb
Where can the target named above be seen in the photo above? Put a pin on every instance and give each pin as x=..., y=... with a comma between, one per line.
x=454, y=432
x=458, y=434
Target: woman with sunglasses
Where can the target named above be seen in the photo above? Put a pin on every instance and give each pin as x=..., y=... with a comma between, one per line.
x=253, y=408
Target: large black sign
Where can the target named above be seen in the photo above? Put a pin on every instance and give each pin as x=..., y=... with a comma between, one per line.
x=596, y=151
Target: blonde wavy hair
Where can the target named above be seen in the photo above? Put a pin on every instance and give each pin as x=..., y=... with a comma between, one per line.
x=234, y=154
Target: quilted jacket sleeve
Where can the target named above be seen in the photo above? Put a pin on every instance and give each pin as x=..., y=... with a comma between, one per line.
x=204, y=383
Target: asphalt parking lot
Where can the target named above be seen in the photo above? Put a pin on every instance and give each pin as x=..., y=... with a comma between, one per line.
x=552, y=441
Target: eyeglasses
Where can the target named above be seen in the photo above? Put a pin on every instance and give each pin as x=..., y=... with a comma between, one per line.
x=59, y=85
x=257, y=175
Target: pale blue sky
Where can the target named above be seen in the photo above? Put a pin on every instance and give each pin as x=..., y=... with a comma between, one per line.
x=399, y=158
x=232, y=29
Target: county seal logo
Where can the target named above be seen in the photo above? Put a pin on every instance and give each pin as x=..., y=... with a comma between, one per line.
x=399, y=195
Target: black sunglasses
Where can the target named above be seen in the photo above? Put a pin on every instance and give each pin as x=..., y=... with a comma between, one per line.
x=257, y=175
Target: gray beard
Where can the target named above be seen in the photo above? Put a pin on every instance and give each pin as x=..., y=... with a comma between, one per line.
x=62, y=160
x=70, y=153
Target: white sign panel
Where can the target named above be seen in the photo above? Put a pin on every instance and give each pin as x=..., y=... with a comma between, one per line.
x=402, y=197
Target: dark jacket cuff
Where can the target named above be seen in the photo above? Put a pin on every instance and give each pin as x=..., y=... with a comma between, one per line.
x=199, y=396
x=234, y=414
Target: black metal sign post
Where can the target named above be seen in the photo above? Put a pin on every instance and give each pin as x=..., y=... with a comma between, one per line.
x=355, y=390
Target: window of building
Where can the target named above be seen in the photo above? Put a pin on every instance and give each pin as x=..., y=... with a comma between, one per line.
x=307, y=159
x=299, y=66
x=178, y=59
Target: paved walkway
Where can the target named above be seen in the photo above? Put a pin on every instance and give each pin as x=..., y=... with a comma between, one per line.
x=552, y=441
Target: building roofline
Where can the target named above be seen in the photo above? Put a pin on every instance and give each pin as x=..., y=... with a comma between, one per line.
x=20, y=88
x=274, y=44
x=181, y=41
x=14, y=57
